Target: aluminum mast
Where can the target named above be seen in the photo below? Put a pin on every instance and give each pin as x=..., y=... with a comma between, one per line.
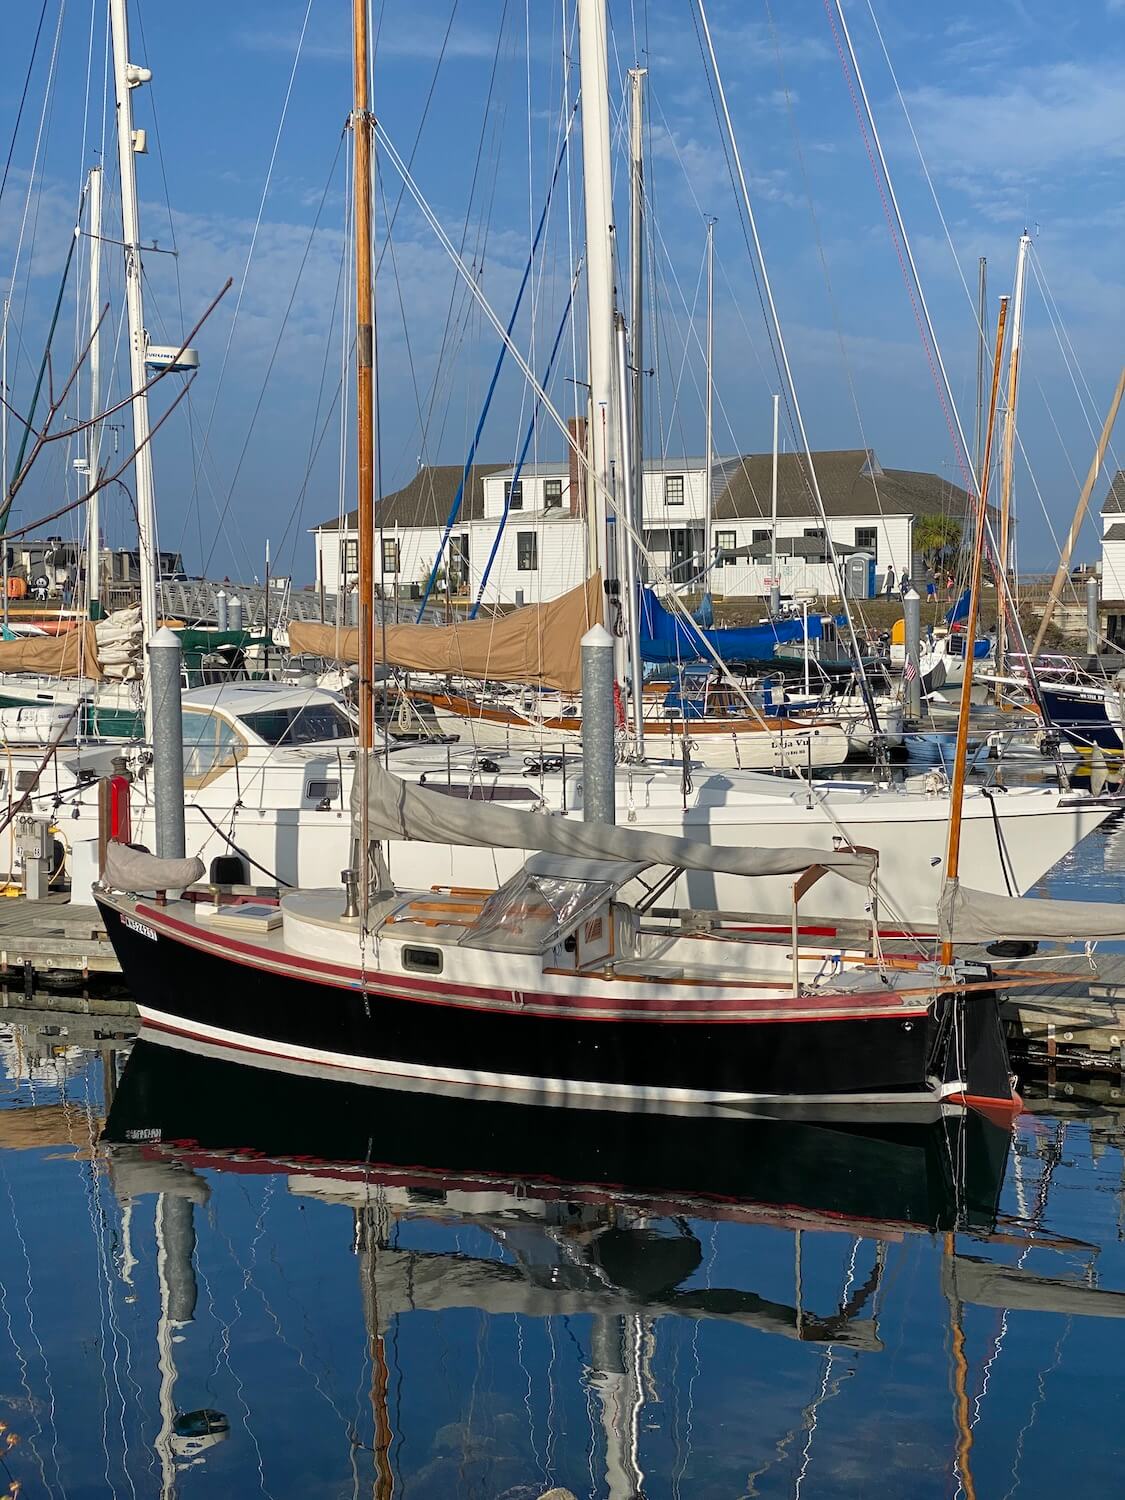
x=709, y=437
x=94, y=433
x=602, y=440
x=1007, y=460
x=128, y=76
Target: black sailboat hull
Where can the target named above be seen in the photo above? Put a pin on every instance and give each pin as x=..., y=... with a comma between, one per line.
x=1083, y=720
x=212, y=1112
x=213, y=991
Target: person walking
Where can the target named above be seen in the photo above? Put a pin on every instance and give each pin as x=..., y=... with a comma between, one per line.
x=889, y=583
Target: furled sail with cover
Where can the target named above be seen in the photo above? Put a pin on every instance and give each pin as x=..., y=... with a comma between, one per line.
x=400, y=810
x=968, y=916
x=666, y=637
x=72, y=654
x=537, y=644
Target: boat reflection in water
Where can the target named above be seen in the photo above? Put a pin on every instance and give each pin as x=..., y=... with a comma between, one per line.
x=598, y=1215
x=178, y=1099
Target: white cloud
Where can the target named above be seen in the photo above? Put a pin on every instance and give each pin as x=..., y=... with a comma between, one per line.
x=1034, y=122
x=418, y=41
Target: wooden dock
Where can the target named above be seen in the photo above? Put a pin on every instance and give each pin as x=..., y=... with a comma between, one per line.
x=1080, y=1024
x=53, y=936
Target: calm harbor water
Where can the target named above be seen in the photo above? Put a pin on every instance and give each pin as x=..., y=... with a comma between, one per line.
x=233, y=1282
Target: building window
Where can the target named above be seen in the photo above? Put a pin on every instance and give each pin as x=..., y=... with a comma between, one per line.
x=552, y=494
x=390, y=555
x=527, y=551
x=673, y=489
x=815, y=531
x=867, y=537
x=350, y=555
x=725, y=543
x=759, y=534
x=513, y=495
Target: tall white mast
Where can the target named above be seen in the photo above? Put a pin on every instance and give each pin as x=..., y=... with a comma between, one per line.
x=632, y=406
x=602, y=445
x=775, y=586
x=1008, y=456
x=709, y=440
x=94, y=433
x=4, y=450
x=637, y=78
x=128, y=76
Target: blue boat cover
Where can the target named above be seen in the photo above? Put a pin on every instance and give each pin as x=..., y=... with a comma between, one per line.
x=958, y=611
x=666, y=638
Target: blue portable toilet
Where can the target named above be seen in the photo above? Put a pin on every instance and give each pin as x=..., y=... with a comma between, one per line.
x=859, y=575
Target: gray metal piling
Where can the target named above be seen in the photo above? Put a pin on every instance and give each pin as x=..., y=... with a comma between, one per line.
x=599, y=798
x=167, y=744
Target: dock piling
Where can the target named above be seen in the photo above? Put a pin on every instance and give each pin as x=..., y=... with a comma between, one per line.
x=167, y=744
x=599, y=795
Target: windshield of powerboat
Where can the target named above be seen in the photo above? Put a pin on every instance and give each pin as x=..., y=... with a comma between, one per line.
x=308, y=725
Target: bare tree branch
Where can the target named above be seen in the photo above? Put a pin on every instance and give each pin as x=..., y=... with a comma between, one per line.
x=44, y=436
x=106, y=478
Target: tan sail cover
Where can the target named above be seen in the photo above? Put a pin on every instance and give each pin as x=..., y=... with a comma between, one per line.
x=397, y=809
x=968, y=916
x=72, y=654
x=537, y=644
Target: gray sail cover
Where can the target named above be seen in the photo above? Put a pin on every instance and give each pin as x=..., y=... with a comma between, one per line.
x=968, y=916
x=398, y=810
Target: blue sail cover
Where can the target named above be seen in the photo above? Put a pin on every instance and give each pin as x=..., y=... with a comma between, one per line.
x=668, y=638
x=959, y=611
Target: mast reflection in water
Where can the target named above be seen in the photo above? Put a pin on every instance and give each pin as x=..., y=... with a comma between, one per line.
x=246, y=1282
x=600, y=1230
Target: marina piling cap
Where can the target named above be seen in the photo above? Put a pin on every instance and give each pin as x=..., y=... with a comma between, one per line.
x=597, y=637
x=164, y=640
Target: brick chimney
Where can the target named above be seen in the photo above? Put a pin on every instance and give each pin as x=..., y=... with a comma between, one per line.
x=576, y=426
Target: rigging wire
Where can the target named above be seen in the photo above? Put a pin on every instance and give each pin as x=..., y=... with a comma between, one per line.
x=193, y=498
x=965, y=459
x=315, y=225
x=23, y=100
x=789, y=386
x=1036, y=266
x=455, y=508
x=33, y=175
x=189, y=408
x=834, y=304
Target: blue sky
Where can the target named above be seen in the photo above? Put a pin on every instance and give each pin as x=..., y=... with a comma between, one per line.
x=1017, y=107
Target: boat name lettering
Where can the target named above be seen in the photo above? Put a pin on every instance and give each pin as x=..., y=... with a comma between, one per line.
x=141, y=927
x=152, y=1133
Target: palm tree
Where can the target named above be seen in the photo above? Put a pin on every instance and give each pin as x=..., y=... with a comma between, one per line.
x=938, y=539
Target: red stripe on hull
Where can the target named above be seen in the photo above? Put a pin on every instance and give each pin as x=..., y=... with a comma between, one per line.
x=739, y=1010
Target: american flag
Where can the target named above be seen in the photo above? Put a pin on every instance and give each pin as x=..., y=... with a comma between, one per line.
x=910, y=671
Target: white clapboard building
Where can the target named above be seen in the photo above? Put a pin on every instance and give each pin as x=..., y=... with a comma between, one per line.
x=540, y=550
x=1113, y=540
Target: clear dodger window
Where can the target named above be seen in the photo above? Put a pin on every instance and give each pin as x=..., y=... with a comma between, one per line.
x=531, y=913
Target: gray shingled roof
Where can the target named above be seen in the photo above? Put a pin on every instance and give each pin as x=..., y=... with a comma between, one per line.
x=847, y=487
x=426, y=500
x=851, y=484
x=1115, y=499
x=1116, y=532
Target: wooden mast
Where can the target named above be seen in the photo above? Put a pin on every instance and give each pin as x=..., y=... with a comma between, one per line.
x=957, y=790
x=364, y=380
x=961, y=1414
x=362, y=123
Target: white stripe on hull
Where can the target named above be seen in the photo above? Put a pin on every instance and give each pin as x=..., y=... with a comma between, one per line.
x=520, y=1088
